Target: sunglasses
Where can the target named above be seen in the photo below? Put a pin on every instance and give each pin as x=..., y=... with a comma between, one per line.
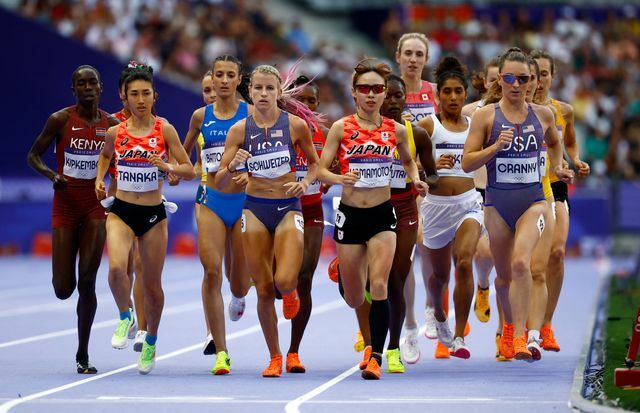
x=511, y=79
x=366, y=89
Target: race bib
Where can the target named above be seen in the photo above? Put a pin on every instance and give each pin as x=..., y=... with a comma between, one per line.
x=137, y=176
x=416, y=111
x=544, y=158
x=517, y=170
x=301, y=173
x=454, y=149
x=270, y=163
x=398, y=175
x=81, y=164
x=374, y=172
x=212, y=155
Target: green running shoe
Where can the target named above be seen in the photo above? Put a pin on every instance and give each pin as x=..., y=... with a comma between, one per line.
x=147, y=360
x=223, y=364
x=120, y=336
x=394, y=363
x=367, y=296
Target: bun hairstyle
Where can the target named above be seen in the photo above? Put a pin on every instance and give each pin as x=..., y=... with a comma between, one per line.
x=132, y=66
x=478, y=79
x=371, y=65
x=139, y=72
x=450, y=68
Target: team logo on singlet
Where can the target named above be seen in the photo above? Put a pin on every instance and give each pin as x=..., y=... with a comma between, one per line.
x=425, y=96
x=124, y=141
x=384, y=136
x=153, y=142
x=354, y=135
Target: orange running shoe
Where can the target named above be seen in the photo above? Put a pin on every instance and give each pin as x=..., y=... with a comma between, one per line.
x=506, y=341
x=467, y=329
x=366, y=357
x=290, y=304
x=372, y=370
x=275, y=367
x=520, y=349
x=549, y=342
x=333, y=270
x=442, y=351
x=293, y=364
x=499, y=357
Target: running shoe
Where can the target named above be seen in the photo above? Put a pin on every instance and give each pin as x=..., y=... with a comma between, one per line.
x=147, y=360
x=520, y=349
x=209, y=346
x=481, y=306
x=533, y=345
x=119, y=340
x=506, y=341
x=223, y=364
x=85, y=368
x=293, y=364
x=549, y=342
x=459, y=350
x=366, y=357
x=394, y=364
x=275, y=367
x=442, y=351
x=133, y=328
x=290, y=304
x=430, y=324
x=236, y=308
x=358, y=346
x=137, y=343
x=372, y=370
x=445, y=336
x=409, y=349
x=333, y=270
x=499, y=357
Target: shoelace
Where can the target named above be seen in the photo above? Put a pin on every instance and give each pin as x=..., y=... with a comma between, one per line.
x=123, y=327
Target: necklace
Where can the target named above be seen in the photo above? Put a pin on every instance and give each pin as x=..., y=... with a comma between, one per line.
x=370, y=121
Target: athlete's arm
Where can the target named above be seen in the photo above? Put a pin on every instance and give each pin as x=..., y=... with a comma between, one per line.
x=408, y=163
x=184, y=168
x=446, y=161
x=473, y=155
x=570, y=141
x=233, y=156
x=194, y=129
x=302, y=136
x=424, y=149
x=328, y=155
x=52, y=129
x=104, y=161
x=554, y=145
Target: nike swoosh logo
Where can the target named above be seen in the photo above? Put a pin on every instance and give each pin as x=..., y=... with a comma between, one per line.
x=318, y=221
x=412, y=222
x=283, y=208
x=106, y=212
x=393, y=226
x=74, y=128
x=211, y=122
x=506, y=126
x=254, y=136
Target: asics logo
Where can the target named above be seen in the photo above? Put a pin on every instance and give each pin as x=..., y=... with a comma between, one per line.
x=124, y=141
x=283, y=208
x=254, y=136
x=73, y=128
x=211, y=122
x=354, y=135
x=153, y=219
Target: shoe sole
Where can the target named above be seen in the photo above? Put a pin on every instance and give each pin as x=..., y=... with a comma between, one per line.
x=221, y=372
x=209, y=349
x=148, y=370
x=297, y=369
x=270, y=376
x=411, y=361
x=137, y=347
x=434, y=337
x=535, y=353
x=370, y=375
x=120, y=346
x=395, y=371
x=523, y=356
x=555, y=350
x=462, y=353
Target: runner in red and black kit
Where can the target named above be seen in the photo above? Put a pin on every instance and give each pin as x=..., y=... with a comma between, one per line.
x=78, y=218
x=313, y=227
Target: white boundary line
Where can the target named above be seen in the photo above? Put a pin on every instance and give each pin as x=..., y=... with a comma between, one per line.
x=294, y=405
x=6, y=407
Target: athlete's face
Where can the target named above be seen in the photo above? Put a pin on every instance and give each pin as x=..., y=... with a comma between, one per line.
x=208, y=94
x=86, y=86
x=518, y=88
x=412, y=58
x=533, y=85
x=492, y=76
x=371, y=101
x=394, y=101
x=309, y=96
x=225, y=79
x=140, y=97
x=452, y=95
x=265, y=90
x=545, y=77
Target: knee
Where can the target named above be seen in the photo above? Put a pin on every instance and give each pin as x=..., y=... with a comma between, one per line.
x=266, y=292
x=153, y=293
x=63, y=290
x=118, y=272
x=354, y=300
x=87, y=285
x=286, y=285
x=212, y=278
x=557, y=254
x=519, y=266
x=501, y=283
x=304, y=285
x=464, y=266
x=378, y=288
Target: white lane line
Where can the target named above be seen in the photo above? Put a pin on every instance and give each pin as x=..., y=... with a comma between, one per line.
x=179, y=309
x=294, y=405
x=6, y=407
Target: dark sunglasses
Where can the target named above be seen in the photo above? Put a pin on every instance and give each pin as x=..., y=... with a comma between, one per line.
x=366, y=89
x=511, y=79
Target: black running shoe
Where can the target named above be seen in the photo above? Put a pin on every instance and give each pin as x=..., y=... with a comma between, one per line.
x=86, y=368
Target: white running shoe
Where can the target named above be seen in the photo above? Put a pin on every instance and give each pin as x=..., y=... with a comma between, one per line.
x=444, y=333
x=458, y=349
x=133, y=328
x=209, y=346
x=533, y=345
x=137, y=343
x=236, y=308
x=409, y=349
x=430, y=323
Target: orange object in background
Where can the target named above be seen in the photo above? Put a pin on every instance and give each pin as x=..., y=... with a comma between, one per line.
x=185, y=244
x=41, y=244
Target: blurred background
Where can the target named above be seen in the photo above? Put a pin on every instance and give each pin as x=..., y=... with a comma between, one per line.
x=596, y=45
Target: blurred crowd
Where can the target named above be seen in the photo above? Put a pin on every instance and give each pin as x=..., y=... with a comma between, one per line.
x=597, y=63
